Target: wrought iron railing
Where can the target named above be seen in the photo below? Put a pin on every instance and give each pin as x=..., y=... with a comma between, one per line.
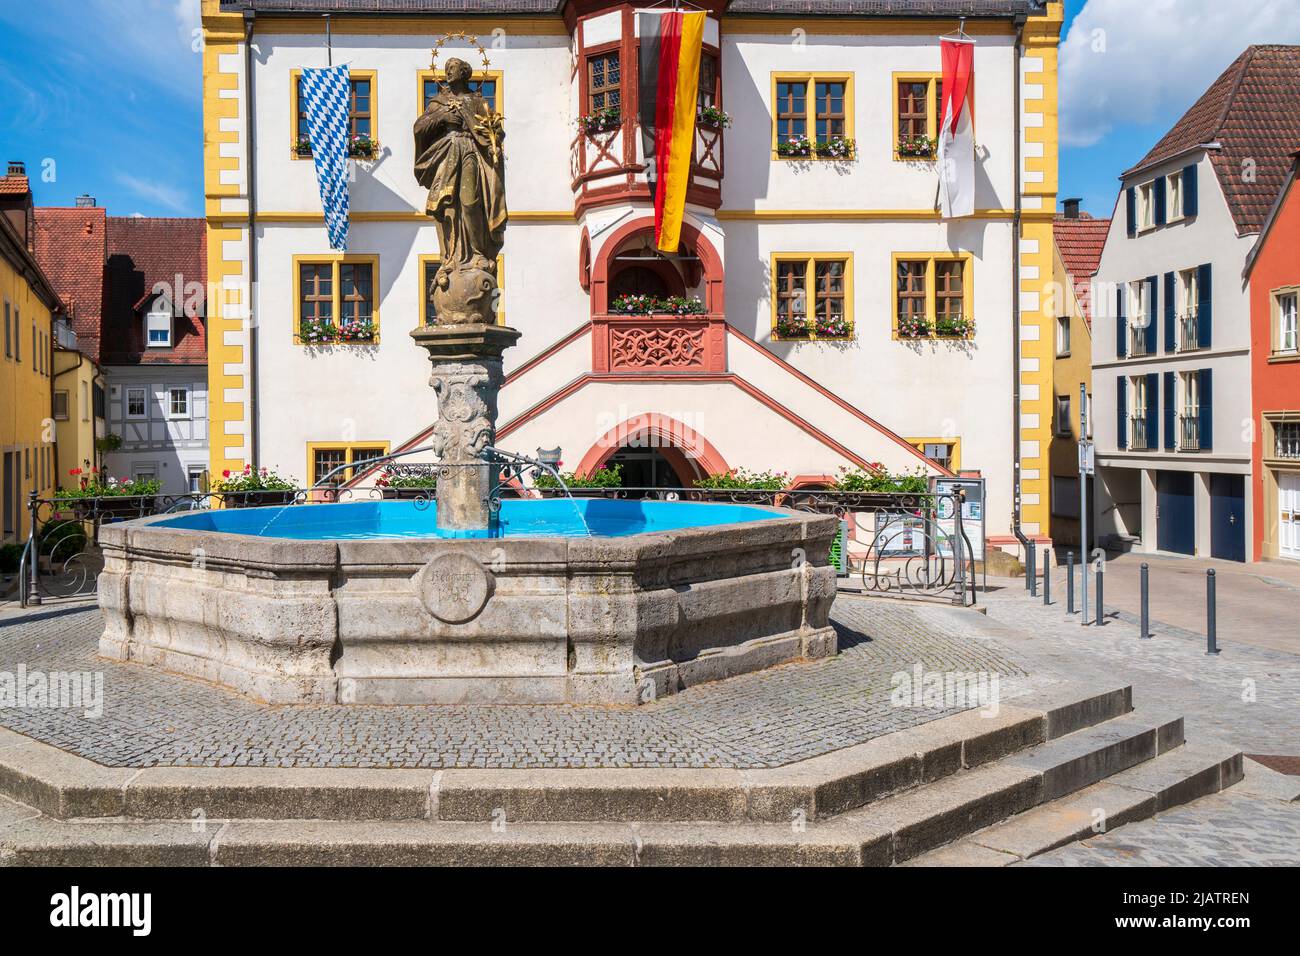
x=1189, y=333
x=1137, y=341
x=1139, y=440
x=918, y=546
x=1189, y=432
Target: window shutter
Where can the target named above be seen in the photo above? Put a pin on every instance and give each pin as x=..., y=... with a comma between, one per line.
x=1153, y=287
x=1190, y=200
x=1207, y=410
x=1121, y=413
x=1204, y=304
x=1132, y=202
x=1170, y=411
x=1171, y=320
x=1153, y=410
x=1158, y=190
x=1121, y=324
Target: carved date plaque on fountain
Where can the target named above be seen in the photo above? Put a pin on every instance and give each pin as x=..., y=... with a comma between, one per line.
x=454, y=587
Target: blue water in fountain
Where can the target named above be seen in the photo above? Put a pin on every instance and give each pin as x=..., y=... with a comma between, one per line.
x=520, y=518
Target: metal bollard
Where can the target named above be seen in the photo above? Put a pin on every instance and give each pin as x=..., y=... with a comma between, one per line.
x=1047, y=577
x=1211, y=631
x=1031, y=569
x=1146, y=601
x=1069, y=582
x=1101, y=601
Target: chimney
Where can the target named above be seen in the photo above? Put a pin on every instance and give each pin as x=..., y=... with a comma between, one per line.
x=85, y=201
x=17, y=168
x=17, y=207
x=1072, y=208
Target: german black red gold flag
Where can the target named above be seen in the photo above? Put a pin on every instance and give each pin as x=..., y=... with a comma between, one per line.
x=669, y=68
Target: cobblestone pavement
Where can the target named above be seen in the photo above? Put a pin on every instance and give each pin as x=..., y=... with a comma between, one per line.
x=1256, y=601
x=758, y=720
x=1246, y=696
x=1228, y=829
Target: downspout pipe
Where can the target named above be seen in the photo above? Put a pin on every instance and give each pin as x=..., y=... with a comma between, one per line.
x=250, y=136
x=1015, y=298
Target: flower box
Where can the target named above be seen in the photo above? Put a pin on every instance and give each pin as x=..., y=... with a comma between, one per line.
x=317, y=332
x=408, y=494
x=601, y=121
x=913, y=329
x=119, y=507
x=796, y=147
x=257, y=499
x=837, y=147
x=653, y=305
x=916, y=147
x=710, y=117
x=359, y=147
x=954, y=329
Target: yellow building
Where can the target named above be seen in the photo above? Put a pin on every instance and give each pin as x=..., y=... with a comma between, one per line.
x=1077, y=251
x=78, y=408
x=29, y=304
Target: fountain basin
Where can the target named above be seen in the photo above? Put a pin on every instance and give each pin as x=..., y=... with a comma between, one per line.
x=364, y=603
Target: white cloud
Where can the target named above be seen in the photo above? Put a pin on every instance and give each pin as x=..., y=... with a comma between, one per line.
x=1135, y=61
x=161, y=193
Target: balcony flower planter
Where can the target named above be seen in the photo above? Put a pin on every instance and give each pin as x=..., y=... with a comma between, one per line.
x=408, y=494
x=316, y=332
x=954, y=329
x=601, y=121
x=653, y=305
x=916, y=147
x=253, y=489
x=115, y=507
x=710, y=117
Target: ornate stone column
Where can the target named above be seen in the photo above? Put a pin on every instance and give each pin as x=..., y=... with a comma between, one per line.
x=467, y=377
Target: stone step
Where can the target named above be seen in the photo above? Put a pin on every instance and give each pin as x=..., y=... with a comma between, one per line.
x=1171, y=779
x=936, y=816
x=945, y=812
x=64, y=786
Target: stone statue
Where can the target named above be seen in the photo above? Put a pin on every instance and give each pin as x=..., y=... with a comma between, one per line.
x=459, y=159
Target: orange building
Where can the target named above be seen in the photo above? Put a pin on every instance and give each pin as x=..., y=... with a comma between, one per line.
x=1273, y=271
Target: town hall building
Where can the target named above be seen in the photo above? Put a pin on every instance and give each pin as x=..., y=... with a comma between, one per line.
x=842, y=322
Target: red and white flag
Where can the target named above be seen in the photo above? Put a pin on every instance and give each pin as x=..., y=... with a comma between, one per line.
x=956, y=135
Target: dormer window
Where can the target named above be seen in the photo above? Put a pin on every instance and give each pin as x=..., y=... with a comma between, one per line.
x=158, y=327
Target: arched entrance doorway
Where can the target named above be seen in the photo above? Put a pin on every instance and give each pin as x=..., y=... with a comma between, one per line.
x=654, y=467
x=655, y=451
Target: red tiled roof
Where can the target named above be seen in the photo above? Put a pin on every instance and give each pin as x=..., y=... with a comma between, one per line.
x=71, y=248
x=144, y=253
x=14, y=185
x=1080, y=242
x=1253, y=111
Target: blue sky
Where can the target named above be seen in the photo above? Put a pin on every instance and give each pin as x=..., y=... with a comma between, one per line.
x=103, y=95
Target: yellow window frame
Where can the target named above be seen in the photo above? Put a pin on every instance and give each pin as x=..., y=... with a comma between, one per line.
x=348, y=448
x=810, y=104
x=423, y=293
x=919, y=444
x=335, y=259
x=295, y=75
x=425, y=75
x=809, y=260
x=933, y=106
x=931, y=259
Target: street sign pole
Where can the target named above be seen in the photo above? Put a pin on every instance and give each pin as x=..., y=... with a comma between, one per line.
x=1085, y=465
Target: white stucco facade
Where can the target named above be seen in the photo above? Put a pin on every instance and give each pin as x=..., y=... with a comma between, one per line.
x=824, y=404
x=1130, y=478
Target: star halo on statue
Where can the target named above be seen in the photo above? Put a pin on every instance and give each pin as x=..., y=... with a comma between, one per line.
x=462, y=35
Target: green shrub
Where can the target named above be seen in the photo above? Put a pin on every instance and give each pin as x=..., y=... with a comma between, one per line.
x=600, y=478
x=744, y=479
x=882, y=482
x=11, y=556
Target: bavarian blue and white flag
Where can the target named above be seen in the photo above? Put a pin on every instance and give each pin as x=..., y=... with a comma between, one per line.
x=327, y=99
